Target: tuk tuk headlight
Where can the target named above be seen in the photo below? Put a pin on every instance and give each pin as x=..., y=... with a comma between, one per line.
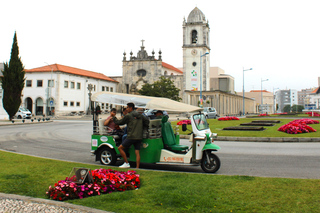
x=213, y=136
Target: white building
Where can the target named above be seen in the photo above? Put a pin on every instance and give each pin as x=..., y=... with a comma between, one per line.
x=286, y=97
x=3, y=113
x=61, y=89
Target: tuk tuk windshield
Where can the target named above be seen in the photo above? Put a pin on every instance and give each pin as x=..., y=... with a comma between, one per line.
x=200, y=121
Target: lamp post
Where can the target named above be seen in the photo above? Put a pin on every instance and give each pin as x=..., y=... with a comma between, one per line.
x=90, y=87
x=201, y=77
x=274, y=103
x=50, y=88
x=261, y=92
x=243, y=108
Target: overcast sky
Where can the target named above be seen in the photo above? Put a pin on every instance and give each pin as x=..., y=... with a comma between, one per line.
x=279, y=39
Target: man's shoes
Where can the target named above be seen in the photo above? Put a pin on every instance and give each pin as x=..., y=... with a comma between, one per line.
x=125, y=165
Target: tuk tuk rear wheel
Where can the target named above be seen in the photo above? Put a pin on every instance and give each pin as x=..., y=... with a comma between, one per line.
x=107, y=156
x=212, y=165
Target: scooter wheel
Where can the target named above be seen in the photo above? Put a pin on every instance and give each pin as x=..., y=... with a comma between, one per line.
x=107, y=156
x=212, y=165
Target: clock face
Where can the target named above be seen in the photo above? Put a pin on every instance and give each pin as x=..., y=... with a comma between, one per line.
x=194, y=64
x=194, y=52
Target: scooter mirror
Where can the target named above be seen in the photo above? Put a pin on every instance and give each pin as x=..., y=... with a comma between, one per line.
x=184, y=127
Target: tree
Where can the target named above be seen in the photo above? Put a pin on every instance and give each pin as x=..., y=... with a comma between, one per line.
x=297, y=108
x=287, y=108
x=164, y=87
x=13, y=81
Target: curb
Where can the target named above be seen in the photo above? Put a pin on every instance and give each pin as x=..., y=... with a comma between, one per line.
x=51, y=202
x=262, y=139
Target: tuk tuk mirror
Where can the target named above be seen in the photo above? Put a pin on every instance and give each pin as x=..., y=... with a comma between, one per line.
x=184, y=127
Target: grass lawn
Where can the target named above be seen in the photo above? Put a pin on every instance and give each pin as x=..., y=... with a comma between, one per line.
x=270, y=131
x=167, y=191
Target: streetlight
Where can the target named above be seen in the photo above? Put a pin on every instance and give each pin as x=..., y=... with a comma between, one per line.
x=261, y=92
x=50, y=86
x=90, y=88
x=243, y=108
x=201, y=76
x=274, y=103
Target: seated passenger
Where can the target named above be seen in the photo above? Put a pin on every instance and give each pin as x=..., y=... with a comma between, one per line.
x=159, y=114
x=109, y=123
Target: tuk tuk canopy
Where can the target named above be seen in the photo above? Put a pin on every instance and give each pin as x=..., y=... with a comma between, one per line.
x=141, y=101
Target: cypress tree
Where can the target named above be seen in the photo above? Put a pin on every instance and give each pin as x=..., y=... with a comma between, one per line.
x=13, y=81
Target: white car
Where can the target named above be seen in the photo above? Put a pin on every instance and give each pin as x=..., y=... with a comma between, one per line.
x=23, y=113
x=210, y=112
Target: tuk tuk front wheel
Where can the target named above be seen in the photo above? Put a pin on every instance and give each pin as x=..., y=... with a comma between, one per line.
x=210, y=162
x=107, y=156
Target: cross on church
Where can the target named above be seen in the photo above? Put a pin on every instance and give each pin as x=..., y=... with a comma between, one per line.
x=142, y=41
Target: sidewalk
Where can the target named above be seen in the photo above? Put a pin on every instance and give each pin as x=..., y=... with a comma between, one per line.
x=17, y=203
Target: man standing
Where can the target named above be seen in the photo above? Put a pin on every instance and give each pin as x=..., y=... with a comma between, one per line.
x=135, y=125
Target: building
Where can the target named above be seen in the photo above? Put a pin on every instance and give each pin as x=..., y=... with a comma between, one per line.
x=302, y=96
x=196, y=74
x=61, y=90
x=221, y=81
x=143, y=68
x=3, y=113
x=264, y=101
x=312, y=101
x=196, y=47
x=285, y=97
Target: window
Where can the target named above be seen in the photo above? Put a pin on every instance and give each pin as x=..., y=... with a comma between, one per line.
x=71, y=103
x=111, y=89
x=78, y=85
x=28, y=83
x=194, y=38
x=107, y=89
x=102, y=89
x=39, y=83
x=65, y=103
x=141, y=73
x=50, y=83
x=66, y=84
x=102, y=105
x=94, y=88
x=71, y=85
x=78, y=104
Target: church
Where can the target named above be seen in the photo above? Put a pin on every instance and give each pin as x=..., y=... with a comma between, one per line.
x=199, y=83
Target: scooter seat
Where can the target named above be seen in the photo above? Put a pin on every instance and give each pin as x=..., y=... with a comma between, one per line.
x=168, y=137
x=177, y=147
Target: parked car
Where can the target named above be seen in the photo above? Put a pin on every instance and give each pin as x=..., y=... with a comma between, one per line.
x=23, y=113
x=210, y=112
x=151, y=113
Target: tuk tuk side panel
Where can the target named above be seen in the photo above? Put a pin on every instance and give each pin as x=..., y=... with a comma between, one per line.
x=150, y=151
x=98, y=140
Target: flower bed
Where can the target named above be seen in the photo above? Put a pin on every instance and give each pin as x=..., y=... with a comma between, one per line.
x=264, y=114
x=315, y=114
x=104, y=181
x=298, y=126
x=184, y=122
x=228, y=118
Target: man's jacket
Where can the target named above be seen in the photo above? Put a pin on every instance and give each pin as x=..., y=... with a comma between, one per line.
x=135, y=124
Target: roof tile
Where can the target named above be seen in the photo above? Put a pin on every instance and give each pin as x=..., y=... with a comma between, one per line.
x=171, y=67
x=71, y=70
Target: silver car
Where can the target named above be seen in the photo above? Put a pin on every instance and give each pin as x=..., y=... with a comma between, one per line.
x=210, y=112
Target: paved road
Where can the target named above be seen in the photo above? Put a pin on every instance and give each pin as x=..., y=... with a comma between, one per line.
x=70, y=140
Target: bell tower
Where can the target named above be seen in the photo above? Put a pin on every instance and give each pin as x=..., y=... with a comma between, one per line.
x=196, y=44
